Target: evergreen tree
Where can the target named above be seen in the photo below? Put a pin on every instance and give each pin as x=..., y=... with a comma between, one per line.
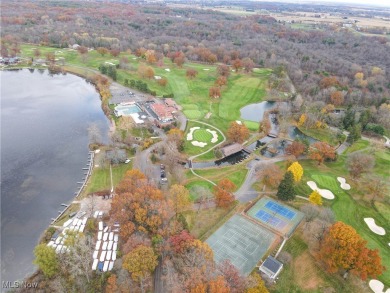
x=349, y=118
x=355, y=133
x=286, y=187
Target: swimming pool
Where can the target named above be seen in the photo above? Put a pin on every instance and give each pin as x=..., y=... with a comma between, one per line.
x=126, y=110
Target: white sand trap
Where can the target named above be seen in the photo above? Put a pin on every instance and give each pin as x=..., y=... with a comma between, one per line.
x=214, y=134
x=190, y=134
x=378, y=287
x=374, y=227
x=157, y=77
x=167, y=69
x=343, y=183
x=199, y=144
x=238, y=122
x=206, y=69
x=97, y=151
x=325, y=193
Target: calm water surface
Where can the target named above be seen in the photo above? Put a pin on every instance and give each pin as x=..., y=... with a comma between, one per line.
x=44, y=146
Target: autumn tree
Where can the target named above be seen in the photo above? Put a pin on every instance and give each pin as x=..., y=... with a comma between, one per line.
x=162, y=81
x=115, y=52
x=223, y=70
x=248, y=65
x=337, y=98
x=180, y=197
x=359, y=163
x=221, y=81
x=344, y=249
x=102, y=51
x=82, y=50
x=256, y=284
x=223, y=193
x=286, y=187
x=218, y=285
x=271, y=176
x=376, y=187
x=237, y=132
x=315, y=198
x=232, y=276
x=177, y=136
x=297, y=170
x=37, y=52
x=46, y=260
x=214, y=92
x=296, y=149
x=181, y=242
x=321, y=151
x=140, y=262
x=150, y=56
x=111, y=286
x=191, y=73
x=237, y=64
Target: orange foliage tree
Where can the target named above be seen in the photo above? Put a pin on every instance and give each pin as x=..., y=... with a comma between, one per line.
x=296, y=149
x=191, y=73
x=237, y=132
x=344, y=249
x=337, y=98
x=322, y=151
x=214, y=92
x=271, y=176
x=223, y=193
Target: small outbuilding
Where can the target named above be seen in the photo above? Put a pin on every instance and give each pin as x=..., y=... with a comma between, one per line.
x=271, y=267
x=231, y=149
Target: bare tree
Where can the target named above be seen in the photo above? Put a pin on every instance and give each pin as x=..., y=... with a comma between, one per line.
x=94, y=134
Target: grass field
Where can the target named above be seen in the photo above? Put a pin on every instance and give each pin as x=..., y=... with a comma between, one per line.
x=348, y=205
x=191, y=94
x=200, y=135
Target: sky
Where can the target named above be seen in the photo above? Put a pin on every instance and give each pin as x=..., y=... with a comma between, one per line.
x=385, y=3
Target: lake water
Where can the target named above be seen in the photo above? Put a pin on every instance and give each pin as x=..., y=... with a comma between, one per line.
x=255, y=112
x=44, y=146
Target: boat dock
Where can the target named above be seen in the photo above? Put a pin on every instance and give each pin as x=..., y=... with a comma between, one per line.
x=79, y=189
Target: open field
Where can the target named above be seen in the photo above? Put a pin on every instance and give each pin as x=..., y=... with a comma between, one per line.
x=191, y=94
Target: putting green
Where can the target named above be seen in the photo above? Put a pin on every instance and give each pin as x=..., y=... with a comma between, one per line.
x=203, y=136
x=327, y=182
x=192, y=114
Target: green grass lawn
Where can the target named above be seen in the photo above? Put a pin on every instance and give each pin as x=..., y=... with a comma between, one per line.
x=200, y=135
x=191, y=94
x=347, y=205
x=358, y=145
x=322, y=134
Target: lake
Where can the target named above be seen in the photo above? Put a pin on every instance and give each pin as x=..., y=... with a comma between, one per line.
x=255, y=112
x=44, y=146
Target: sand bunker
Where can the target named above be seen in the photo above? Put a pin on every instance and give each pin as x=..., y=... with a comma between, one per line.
x=343, y=183
x=214, y=134
x=206, y=69
x=199, y=144
x=325, y=193
x=190, y=134
x=167, y=69
x=378, y=287
x=374, y=227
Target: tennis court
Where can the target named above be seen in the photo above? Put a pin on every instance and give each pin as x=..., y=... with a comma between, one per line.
x=276, y=215
x=242, y=242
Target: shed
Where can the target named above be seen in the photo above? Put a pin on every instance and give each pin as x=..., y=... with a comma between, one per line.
x=271, y=267
x=231, y=149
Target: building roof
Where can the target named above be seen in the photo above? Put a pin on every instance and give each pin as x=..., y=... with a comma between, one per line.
x=271, y=267
x=169, y=102
x=231, y=149
x=163, y=112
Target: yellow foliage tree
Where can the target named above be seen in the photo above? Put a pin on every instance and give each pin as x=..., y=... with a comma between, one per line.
x=302, y=120
x=297, y=171
x=315, y=198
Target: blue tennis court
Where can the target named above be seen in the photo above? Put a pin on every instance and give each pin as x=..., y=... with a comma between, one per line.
x=277, y=208
x=270, y=220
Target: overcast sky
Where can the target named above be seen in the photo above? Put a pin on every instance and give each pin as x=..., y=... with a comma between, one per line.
x=385, y=3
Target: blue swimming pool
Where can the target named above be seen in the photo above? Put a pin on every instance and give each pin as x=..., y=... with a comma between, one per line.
x=126, y=110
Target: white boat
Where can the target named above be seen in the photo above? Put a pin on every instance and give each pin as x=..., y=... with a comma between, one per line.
x=104, y=247
x=116, y=237
x=96, y=214
x=111, y=236
x=75, y=221
x=84, y=221
x=95, y=254
x=106, y=229
x=95, y=263
x=109, y=246
x=50, y=244
x=108, y=255
x=58, y=249
x=113, y=256
x=100, y=234
x=115, y=246
x=105, y=236
x=102, y=256
x=100, y=226
x=58, y=240
x=105, y=267
x=67, y=223
x=97, y=246
x=111, y=266
x=81, y=229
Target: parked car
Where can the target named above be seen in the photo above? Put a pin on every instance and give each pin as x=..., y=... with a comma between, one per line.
x=162, y=167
